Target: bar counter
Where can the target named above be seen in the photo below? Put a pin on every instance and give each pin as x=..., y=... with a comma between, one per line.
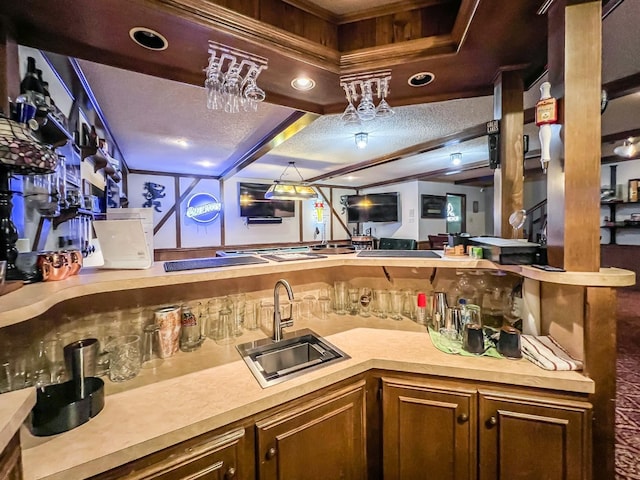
x=35, y=299
x=198, y=392
x=138, y=421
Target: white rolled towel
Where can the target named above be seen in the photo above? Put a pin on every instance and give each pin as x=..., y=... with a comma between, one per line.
x=547, y=353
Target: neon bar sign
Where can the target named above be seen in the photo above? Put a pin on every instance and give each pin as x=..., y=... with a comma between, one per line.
x=203, y=208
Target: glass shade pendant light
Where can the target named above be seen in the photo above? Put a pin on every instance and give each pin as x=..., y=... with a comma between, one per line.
x=283, y=190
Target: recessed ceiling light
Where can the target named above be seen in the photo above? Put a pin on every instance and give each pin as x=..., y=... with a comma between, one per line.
x=147, y=38
x=205, y=163
x=421, y=79
x=303, y=83
x=456, y=158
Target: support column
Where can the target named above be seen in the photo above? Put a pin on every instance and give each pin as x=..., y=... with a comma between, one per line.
x=9, y=70
x=573, y=177
x=508, y=93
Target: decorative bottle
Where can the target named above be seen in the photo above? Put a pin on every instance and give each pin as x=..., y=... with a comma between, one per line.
x=31, y=86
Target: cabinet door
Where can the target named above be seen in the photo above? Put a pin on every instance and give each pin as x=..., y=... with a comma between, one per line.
x=534, y=438
x=316, y=440
x=428, y=431
x=223, y=457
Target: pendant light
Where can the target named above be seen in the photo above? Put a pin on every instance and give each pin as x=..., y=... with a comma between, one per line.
x=283, y=190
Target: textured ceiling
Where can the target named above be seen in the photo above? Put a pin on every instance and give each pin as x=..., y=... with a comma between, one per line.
x=148, y=115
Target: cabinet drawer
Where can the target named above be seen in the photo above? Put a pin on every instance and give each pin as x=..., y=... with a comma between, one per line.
x=217, y=458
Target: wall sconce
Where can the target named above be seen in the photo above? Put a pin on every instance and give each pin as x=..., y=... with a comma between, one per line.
x=456, y=158
x=362, y=139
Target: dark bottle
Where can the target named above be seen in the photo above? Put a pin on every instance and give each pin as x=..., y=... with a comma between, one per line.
x=31, y=86
x=93, y=137
x=45, y=88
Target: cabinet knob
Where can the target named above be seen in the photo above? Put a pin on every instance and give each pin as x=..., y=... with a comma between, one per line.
x=463, y=417
x=492, y=422
x=271, y=453
x=231, y=473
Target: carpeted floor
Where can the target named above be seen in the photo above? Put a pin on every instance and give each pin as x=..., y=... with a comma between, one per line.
x=628, y=386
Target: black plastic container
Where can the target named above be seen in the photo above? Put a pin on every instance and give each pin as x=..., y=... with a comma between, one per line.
x=59, y=409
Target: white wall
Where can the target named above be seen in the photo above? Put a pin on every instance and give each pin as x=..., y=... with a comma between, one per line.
x=407, y=226
x=166, y=237
x=475, y=221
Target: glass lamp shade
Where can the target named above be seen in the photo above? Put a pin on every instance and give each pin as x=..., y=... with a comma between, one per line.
x=21, y=152
x=290, y=191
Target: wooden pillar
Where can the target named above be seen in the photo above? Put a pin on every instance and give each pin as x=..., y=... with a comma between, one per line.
x=509, y=178
x=573, y=177
x=600, y=366
x=9, y=69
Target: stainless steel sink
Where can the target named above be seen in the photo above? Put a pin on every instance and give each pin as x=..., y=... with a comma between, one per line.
x=301, y=352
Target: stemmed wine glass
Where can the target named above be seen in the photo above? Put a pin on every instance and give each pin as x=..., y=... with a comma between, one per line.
x=350, y=115
x=213, y=83
x=231, y=89
x=252, y=94
x=366, y=109
x=383, y=109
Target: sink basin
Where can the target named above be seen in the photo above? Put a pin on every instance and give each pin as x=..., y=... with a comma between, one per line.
x=300, y=352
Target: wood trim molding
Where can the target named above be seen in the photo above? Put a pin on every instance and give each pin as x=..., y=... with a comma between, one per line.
x=385, y=56
x=463, y=21
x=390, y=9
x=259, y=33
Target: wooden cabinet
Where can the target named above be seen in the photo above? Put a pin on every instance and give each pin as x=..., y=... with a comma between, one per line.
x=533, y=438
x=444, y=430
x=11, y=461
x=228, y=456
x=428, y=429
x=321, y=439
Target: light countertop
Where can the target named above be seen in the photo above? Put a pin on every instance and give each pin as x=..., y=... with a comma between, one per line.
x=138, y=421
x=32, y=300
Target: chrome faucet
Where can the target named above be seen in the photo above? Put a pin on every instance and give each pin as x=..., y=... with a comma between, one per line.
x=278, y=322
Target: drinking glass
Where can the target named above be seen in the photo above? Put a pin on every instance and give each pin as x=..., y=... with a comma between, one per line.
x=226, y=327
x=366, y=109
x=383, y=109
x=55, y=358
x=395, y=304
x=252, y=315
x=350, y=114
x=124, y=358
x=340, y=299
x=409, y=299
x=366, y=297
x=308, y=306
x=266, y=315
x=381, y=303
x=237, y=305
x=150, y=357
x=354, y=300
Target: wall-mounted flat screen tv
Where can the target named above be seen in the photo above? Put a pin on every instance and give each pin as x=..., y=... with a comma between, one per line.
x=373, y=207
x=253, y=203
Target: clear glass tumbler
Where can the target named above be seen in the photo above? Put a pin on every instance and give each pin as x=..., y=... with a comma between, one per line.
x=395, y=304
x=124, y=357
x=341, y=301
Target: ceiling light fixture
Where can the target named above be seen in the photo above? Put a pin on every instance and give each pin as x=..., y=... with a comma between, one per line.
x=362, y=139
x=283, y=190
x=147, y=38
x=303, y=83
x=456, y=158
x=231, y=79
x=421, y=79
x=364, y=86
x=628, y=149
